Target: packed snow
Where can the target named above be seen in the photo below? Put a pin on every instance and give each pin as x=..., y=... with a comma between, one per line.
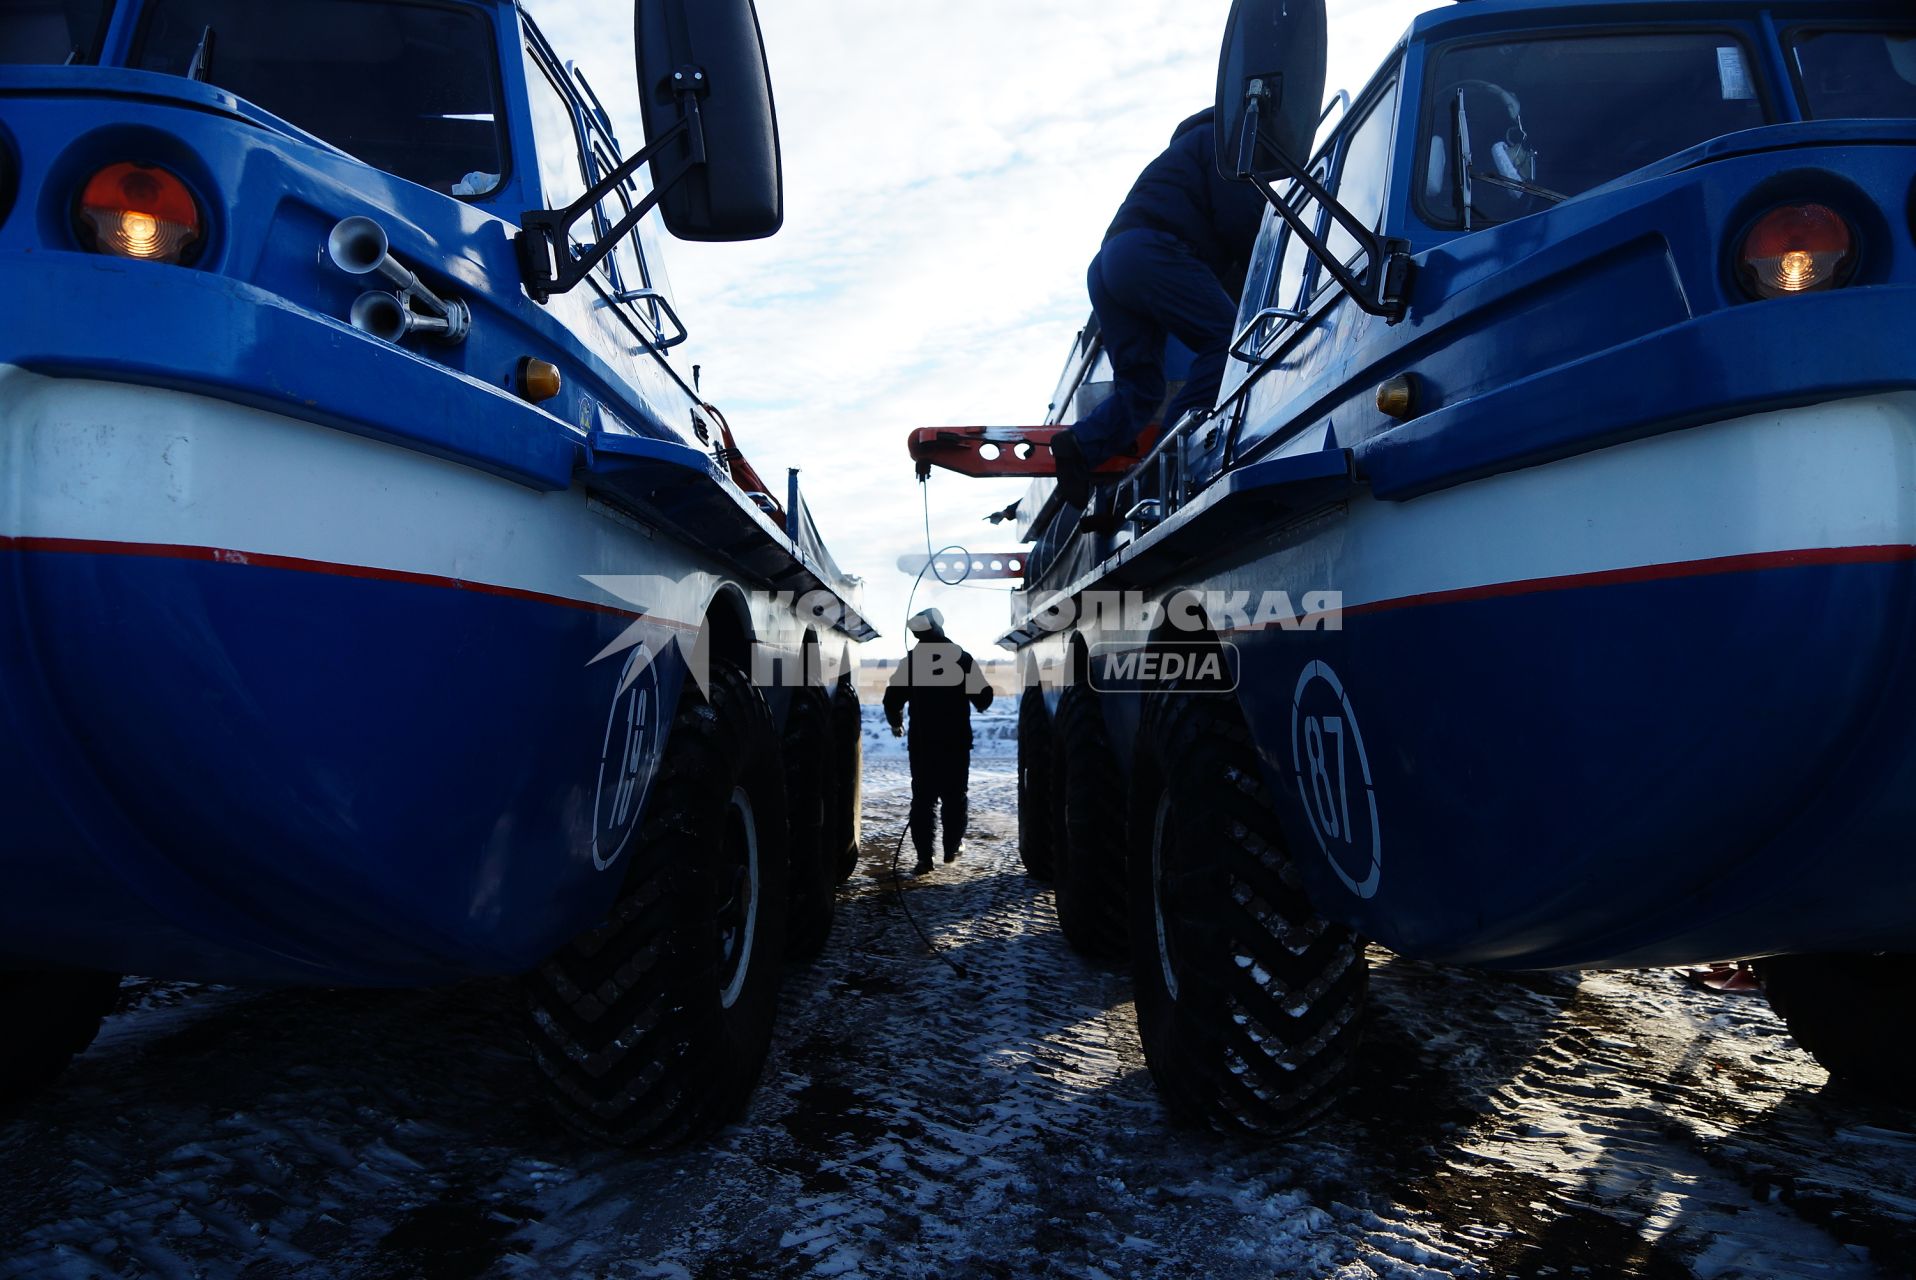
x=916, y=1123
x=994, y=733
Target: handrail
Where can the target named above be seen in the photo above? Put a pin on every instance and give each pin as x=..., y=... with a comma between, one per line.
x=1255, y=325
x=1169, y=466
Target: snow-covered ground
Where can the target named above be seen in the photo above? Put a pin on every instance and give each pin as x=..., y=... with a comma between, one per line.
x=914, y=1123
x=994, y=733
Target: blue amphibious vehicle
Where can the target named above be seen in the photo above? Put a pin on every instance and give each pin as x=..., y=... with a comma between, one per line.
x=382, y=602
x=1557, y=522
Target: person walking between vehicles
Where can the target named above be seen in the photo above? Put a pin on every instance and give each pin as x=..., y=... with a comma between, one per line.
x=942, y=685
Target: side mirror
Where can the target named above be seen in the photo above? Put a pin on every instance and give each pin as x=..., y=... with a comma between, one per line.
x=721, y=180
x=1270, y=86
x=1270, y=78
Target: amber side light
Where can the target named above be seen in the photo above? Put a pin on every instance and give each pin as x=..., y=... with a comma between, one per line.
x=1397, y=397
x=142, y=212
x=539, y=380
x=1798, y=248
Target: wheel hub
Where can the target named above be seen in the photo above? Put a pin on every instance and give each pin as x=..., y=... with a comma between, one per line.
x=1160, y=890
x=738, y=895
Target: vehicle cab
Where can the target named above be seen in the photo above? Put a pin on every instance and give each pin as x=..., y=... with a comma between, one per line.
x=1586, y=129
x=448, y=119
x=1622, y=103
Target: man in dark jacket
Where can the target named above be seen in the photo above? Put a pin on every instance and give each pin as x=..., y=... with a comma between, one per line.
x=1173, y=261
x=941, y=684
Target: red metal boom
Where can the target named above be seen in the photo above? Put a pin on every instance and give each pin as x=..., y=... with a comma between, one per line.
x=1006, y=451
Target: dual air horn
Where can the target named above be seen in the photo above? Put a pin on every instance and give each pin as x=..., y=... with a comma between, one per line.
x=358, y=246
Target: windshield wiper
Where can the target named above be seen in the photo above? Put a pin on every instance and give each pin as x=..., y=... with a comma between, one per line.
x=1511, y=184
x=201, y=68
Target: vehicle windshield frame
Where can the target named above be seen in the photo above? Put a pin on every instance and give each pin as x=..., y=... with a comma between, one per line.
x=483, y=15
x=1745, y=34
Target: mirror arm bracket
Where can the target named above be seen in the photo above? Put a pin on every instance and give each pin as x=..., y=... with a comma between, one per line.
x=1256, y=94
x=544, y=239
x=1383, y=287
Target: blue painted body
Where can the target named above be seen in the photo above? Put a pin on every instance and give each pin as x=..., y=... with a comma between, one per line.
x=1549, y=802
x=1680, y=757
x=265, y=768
x=265, y=775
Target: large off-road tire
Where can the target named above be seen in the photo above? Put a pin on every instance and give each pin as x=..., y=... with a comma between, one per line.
x=652, y=1028
x=1855, y=1014
x=1087, y=828
x=1250, y=1003
x=848, y=737
x=46, y=1020
x=811, y=797
x=1034, y=786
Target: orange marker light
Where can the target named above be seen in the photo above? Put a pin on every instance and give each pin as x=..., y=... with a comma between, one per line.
x=140, y=211
x=539, y=380
x=1397, y=397
x=1798, y=248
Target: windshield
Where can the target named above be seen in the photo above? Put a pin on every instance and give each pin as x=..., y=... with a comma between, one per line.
x=1550, y=118
x=1852, y=74
x=406, y=86
x=52, y=31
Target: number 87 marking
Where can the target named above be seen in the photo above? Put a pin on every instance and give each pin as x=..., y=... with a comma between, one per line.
x=1324, y=785
x=1333, y=807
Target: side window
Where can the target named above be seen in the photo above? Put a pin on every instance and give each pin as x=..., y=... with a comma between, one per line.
x=570, y=166
x=605, y=159
x=1297, y=256
x=1284, y=272
x=1360, y=185
x=1295, y=259
x=1257, y=288
x=555, y=133
x=1263, y=268
x=631, y=258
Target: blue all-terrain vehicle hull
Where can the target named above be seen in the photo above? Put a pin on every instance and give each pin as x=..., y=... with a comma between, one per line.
x=1615, y=668
x=281, y=772
x=334, y=656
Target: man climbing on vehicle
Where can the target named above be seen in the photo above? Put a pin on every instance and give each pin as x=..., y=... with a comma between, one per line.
x=941, y=684
x=1173, y=261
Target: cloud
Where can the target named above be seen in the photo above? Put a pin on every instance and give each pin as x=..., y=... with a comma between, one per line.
x=950, y=170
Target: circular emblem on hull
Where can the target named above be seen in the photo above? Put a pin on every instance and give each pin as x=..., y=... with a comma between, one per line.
x=627, y=758
x=1333, y=779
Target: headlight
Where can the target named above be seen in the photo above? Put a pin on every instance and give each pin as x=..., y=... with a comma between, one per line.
x=1797, y=248
x=140, y=211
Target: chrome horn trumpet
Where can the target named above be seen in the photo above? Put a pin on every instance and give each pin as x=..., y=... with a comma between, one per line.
x=359, y=247
x=386, y=315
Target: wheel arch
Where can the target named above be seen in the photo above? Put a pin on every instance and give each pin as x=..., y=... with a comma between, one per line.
x=726, y=633
x=1141, y=770
x=1187, y=603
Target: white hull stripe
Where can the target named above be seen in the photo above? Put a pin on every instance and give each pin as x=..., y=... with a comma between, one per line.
x=1822, y=484
x=112, y=469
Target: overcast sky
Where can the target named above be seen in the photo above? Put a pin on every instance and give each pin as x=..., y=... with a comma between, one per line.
x=949, y=172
